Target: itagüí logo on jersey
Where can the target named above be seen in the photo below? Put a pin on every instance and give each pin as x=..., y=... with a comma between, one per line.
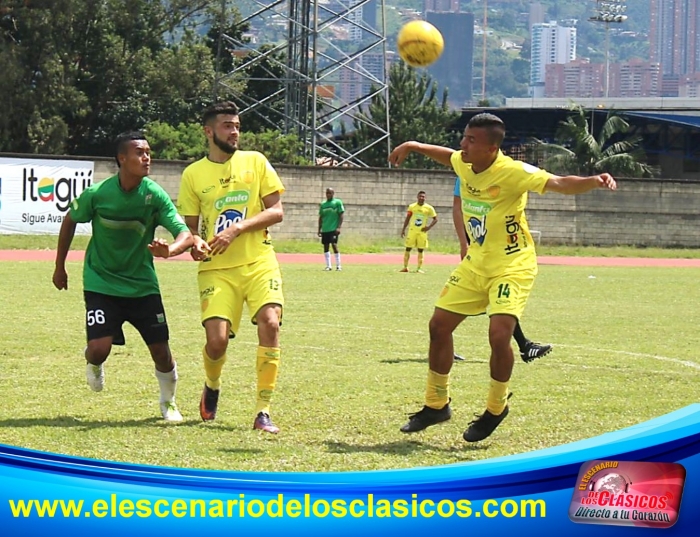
x=60, y=191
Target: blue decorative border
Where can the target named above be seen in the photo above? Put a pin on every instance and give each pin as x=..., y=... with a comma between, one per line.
x=549, y=475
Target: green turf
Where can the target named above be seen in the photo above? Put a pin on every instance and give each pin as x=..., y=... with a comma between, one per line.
x=355, y=244
x=353, y=366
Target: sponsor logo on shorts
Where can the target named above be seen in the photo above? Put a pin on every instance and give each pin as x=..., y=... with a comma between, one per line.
x=206, y=293
x=238, y=197
x=160, y=317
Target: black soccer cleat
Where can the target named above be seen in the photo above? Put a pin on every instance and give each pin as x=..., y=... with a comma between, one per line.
x=458, y=357
x=534, y=350
x=426, y=417
x=482, y=427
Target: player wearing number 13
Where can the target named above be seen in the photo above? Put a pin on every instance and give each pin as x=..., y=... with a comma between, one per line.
x=238, y=196
x=499, y=270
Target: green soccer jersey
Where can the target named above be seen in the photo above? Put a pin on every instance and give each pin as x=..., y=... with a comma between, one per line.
x=117, y=261
x=330, y=212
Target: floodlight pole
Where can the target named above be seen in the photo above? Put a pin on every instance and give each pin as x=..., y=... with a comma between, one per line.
x=607, y=12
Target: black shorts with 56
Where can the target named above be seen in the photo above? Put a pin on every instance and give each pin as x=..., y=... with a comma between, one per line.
x=105, y=315
x=329, y=237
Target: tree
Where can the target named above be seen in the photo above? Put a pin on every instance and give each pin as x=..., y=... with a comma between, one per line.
x=579, y=152
x=415, y=113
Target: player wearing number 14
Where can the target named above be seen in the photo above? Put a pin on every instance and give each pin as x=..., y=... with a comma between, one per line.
x=238, y=196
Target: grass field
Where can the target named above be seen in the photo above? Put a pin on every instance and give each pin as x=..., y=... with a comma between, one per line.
x=353, y=366
x=354, y=244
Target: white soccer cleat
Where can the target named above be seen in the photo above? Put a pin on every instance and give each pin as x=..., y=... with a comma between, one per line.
x=95, y=376
x=170, y=412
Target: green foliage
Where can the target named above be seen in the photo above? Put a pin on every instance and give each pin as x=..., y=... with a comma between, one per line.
x=278, y=148
x=184, y=142
x=415, y=113
x=581, y=153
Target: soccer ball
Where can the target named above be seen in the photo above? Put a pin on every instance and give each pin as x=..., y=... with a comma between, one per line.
x=419, y=43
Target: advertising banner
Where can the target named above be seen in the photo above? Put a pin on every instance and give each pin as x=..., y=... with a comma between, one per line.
x=35, y=194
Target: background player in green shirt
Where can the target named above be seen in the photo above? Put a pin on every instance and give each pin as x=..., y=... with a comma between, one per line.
x=119, y=279
x=330, y=218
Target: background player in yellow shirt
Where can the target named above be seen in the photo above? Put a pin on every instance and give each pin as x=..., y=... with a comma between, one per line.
x=498, y=272
x=237, y=194
x=416, y=221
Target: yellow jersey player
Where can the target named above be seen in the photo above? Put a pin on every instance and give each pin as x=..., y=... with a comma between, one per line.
x=237, y=196
x=416, y=221
x=497, y=273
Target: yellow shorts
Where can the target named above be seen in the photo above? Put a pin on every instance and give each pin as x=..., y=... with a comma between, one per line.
x=222, y=292
x=417, y=240
x=468, y=293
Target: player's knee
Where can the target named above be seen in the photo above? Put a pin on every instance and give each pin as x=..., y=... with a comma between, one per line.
x=437, y=329
x=500, y=334
x=98, y=350
x=216, y=346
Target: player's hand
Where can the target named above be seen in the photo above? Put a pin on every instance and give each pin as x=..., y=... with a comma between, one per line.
x=424, y=229
x=200, y=249
x=463, y=248
x=159, y=248
x=403, y=234
x=320, y=234
x=222, y=240
x=605, y=180
x=60, y=278
x=337, y=232
x=400, y=152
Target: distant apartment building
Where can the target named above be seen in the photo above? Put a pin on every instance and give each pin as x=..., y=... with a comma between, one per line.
x=441, y=6
x=689, y=87
x=454, y=69
x=537, y=14
x=582, y=79
x=674, y=36
x=550, y=44
x=363, y=17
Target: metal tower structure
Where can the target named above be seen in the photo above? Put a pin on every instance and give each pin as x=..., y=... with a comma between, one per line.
x=326, y=61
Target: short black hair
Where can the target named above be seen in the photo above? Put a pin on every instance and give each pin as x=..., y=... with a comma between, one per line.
x=421, y=192
x=224, y=107
x=121, y=140
x=493, y=124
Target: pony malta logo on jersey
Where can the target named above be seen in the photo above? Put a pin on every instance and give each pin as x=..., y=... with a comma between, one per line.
x=628, y=493
x=60, y=191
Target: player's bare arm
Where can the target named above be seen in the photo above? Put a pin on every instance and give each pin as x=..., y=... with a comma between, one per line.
x=161, y=248
x=458, y=221
x=340, y=223
x=574, y=184
x=272, y=214
x=436, y=152
x=431, y=225
x=405, y=224
x=65, y=238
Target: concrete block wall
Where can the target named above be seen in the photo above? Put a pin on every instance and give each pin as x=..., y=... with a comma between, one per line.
x=643, y=212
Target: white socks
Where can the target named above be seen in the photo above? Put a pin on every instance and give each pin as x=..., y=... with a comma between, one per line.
x=168, y=384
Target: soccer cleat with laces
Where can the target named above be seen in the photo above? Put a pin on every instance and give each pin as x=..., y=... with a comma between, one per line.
x=170, y=412
x=534, y=350
x=426, y=417
x=208, y=403
x=95, y=376
x=264, y=423
x=482, y=427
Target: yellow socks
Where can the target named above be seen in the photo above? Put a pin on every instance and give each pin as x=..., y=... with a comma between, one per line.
x=498, y=397
x=212, y=370
x=437, y=392
x=268, y=364
x=420, y=260
x=406, y=259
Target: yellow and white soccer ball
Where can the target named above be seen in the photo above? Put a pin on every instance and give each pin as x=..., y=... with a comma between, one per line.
x=419, y=43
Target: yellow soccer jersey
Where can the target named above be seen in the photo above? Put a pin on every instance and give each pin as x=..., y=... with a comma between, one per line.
x=226, y=193
x=420, y=214
x=493, y=206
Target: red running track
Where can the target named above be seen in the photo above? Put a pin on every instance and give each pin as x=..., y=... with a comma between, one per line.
x=395, y=259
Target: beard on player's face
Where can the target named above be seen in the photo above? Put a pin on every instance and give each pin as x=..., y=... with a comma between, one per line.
x=224, y=145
